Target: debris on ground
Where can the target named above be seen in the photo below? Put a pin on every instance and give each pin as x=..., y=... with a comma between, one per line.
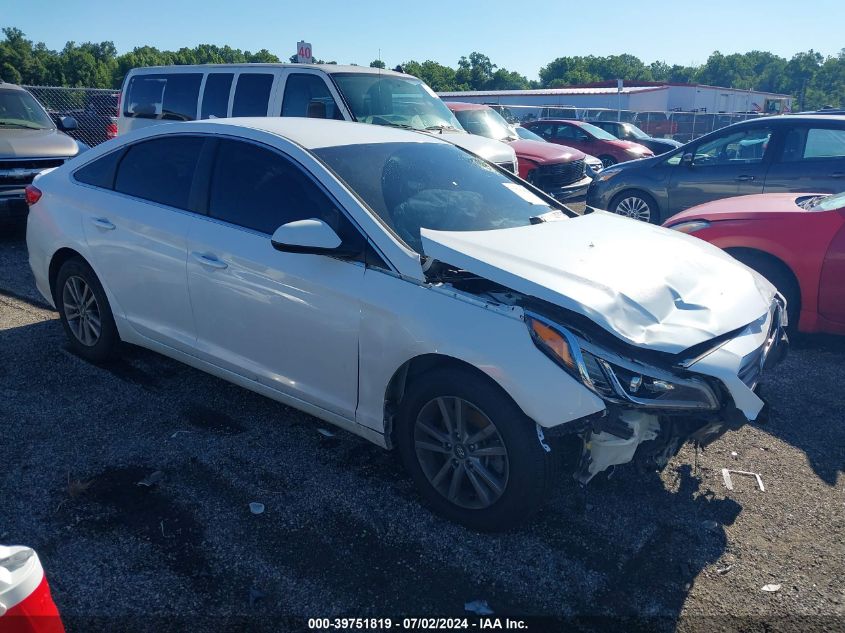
x=177, y=433
x=478, y=607
x=325, y=432
x=734, y=454
x=724, y=570
x=771, y=588
x=152, y=479
x=711, y=525
x=726, y=476
x=256, y=508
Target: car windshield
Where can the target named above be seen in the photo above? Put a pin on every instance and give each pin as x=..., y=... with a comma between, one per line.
x=598, y=132
x=828, y=203
x=19, y=109
x=524, y=132
x=634, y=131
x=435, y=186
x=487, y=123
x=391, y=100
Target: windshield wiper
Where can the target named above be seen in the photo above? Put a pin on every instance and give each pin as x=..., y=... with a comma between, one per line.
x=441, y=128
x=22, y=126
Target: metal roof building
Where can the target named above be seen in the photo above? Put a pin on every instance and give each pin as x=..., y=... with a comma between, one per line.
x=635, y=96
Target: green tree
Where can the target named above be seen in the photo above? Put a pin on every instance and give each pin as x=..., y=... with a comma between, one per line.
x=377, y=63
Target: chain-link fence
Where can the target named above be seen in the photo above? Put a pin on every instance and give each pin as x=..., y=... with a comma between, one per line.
x=680, y=126
x=94, y=109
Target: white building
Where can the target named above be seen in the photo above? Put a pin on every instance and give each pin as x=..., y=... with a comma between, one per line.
x=635, y=96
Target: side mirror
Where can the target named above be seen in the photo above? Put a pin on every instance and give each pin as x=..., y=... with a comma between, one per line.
x=67, y=123
x=313, y=237
x=686, y=159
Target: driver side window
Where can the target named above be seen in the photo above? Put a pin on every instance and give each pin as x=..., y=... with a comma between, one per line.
x=739, y=147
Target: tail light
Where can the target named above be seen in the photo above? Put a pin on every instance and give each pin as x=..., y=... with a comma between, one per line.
x=32, y=194
x=111, y=129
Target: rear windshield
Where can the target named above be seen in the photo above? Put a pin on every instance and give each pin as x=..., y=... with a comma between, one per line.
x=170, y=96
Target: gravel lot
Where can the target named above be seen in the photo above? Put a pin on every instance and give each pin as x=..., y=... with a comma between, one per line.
x=343, y=532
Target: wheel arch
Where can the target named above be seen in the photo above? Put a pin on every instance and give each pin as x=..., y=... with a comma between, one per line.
x=745, y=254
x=56, y=261
x=418, y=366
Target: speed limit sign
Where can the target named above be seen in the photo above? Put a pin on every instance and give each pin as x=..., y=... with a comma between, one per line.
x=303, y=53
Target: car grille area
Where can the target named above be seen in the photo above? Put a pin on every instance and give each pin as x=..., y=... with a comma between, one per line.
x=548, y=177
x=16, y=173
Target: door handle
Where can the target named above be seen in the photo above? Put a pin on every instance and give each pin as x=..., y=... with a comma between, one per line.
x=209, y=260
x=103, y=223
x=744, y=178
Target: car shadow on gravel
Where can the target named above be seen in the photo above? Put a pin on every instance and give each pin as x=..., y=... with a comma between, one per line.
x=806, y=402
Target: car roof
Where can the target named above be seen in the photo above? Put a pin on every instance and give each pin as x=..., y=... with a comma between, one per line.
x=569, y=121
x=327, y=68
x=8, y=86
x=309, y=133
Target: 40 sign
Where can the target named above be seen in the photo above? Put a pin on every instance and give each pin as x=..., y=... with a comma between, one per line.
x=303, y=53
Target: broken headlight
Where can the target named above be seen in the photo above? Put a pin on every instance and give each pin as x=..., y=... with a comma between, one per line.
x=618, y=379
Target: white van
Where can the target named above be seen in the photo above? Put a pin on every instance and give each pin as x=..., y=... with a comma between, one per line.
x=158, y=94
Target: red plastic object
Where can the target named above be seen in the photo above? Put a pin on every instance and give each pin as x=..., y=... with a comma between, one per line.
x=26, y=605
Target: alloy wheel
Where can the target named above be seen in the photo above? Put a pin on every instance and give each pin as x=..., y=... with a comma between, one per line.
x=461, y=452
x=634, y=207
x=81, y=311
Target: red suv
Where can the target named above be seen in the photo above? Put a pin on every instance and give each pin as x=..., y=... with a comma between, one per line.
x=559, y=171
x=589, y=139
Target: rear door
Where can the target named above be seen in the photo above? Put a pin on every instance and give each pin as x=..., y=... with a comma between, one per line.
x=137, y=235
x=731, y=163
x=253, y=92
x=573, y=136
x=811, y=159
x=832, y=280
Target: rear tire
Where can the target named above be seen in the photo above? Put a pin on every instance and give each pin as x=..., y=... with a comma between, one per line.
x=780, y=277
x=637, y=205
x=85, y=312
x=499, y=444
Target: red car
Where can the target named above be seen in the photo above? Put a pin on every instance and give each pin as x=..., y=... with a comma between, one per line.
x=795, y=240
x=559, y=171
x=589, y=139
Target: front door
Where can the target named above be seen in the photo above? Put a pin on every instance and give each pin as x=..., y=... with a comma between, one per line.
x=733, y=163
x=289, y=321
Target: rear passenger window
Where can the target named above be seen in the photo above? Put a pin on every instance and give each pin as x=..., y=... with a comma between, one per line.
x=825, y=143
x=215, y=96
x=171, y=96
x=160, y=170
x=308, y=95
x=252, y=95
x=258, y=189
x=100, y=173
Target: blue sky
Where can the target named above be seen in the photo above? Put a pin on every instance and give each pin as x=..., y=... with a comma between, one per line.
x=513, y=34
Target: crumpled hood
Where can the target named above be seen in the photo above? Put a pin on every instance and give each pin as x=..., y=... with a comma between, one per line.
x=542, y=152
x=18, y=143
x=649, y=286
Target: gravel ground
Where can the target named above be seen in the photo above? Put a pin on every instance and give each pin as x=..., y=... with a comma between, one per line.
x=343, y=532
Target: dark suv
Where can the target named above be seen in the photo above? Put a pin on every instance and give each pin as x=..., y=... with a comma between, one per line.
x=764, y=155
x=29, y=143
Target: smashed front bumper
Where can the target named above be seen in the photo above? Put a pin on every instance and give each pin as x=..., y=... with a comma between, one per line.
x=650, y=437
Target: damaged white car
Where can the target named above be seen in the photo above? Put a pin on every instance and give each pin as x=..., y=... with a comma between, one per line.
x=410, y=292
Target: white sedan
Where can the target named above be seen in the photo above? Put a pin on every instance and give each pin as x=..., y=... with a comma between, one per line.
x=409, y=292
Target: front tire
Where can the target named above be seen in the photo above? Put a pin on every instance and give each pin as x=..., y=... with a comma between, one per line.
x=85, y=312
x=637, y=206
x=472, y=453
